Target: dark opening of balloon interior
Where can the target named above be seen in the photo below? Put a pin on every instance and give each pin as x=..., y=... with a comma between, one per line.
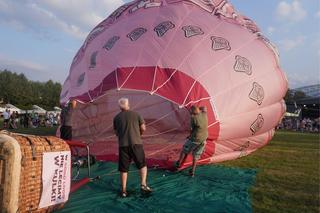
x=167, y=124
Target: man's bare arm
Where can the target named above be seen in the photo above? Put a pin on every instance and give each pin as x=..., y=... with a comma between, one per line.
x=142, y=128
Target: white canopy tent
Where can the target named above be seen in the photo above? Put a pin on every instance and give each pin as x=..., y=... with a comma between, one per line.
x=37, y=109
x=58, y=109
x=13, y=108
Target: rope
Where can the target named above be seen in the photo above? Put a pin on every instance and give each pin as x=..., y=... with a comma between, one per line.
x=193, y=102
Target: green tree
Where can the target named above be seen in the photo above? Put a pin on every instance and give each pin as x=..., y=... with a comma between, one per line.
x=289, y=96
x=18, y=90
x=299, y=95
x=294, y=95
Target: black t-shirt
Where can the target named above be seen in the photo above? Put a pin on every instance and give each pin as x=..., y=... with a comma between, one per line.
x=66, y=116
x=127, y=126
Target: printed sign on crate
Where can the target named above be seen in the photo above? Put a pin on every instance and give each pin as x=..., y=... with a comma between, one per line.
x=55, y=178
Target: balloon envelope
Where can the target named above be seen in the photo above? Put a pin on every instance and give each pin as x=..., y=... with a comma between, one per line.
x=165, y=56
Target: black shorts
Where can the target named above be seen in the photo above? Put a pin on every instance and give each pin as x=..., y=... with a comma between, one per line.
x=6, y=121
x=66, y=132
x=129, y=153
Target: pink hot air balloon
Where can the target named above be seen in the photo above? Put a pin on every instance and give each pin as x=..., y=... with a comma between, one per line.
x=166, y=55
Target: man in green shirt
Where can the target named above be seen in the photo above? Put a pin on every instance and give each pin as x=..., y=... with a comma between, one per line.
x=129, y=126
x=196, y=141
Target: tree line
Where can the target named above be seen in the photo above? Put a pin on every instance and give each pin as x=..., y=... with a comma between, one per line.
x=16, y=89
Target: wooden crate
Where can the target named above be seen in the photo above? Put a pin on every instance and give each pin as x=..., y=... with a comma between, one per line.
x=21, y=170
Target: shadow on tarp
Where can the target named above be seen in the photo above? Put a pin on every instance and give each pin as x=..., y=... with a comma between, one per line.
x=213, y=189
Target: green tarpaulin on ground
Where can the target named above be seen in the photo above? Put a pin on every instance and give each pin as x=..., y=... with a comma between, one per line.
x=213, y=189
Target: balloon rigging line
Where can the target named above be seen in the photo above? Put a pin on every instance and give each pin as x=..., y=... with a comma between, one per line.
x=165, y=49
x=112, y=136
x=160, y=133
x=198, y=100
x=141, y=101
x=139, y=90
x=110, y=126
x=166, y=147
x=185, y=58
x=166, y=115
x=140, y=53
x=170, y=139
x=89, y=95
x=116, y=72
x=193, y=102
x=220, y=62
x=100, y=91
x=213, y=124
x=183, y=123
x=199, y=161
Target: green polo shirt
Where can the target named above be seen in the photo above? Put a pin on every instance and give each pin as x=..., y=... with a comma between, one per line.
x=199, y=127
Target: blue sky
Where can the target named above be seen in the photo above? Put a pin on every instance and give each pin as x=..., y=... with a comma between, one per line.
x=40, y=37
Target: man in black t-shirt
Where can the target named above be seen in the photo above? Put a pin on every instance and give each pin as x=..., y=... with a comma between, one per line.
x=129, y=126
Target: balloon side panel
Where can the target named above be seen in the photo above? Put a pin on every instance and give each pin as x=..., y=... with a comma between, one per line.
x=251, y=123
x=245, y=80
x=240, y=147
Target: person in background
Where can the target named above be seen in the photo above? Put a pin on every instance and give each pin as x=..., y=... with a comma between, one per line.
x=37, y=120
x=196, y=141
x=57, y=119
x=26, y=120
x=16, y=121
x=12, y=121
x=21, y=116
x=129, y=126
x=6, y=117
x=66, y=120
x=42, y=121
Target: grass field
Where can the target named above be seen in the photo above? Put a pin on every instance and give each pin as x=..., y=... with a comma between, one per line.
x=36, y=131
x=288, y=172
x=33, y=131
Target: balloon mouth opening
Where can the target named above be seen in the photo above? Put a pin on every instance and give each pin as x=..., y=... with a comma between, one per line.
x=164, y=109
x=167, y=123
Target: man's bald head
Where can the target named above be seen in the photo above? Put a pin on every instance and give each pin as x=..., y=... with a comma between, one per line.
x=124, y=103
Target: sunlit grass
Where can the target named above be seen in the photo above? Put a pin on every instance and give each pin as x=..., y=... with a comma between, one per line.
x=288, y=173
